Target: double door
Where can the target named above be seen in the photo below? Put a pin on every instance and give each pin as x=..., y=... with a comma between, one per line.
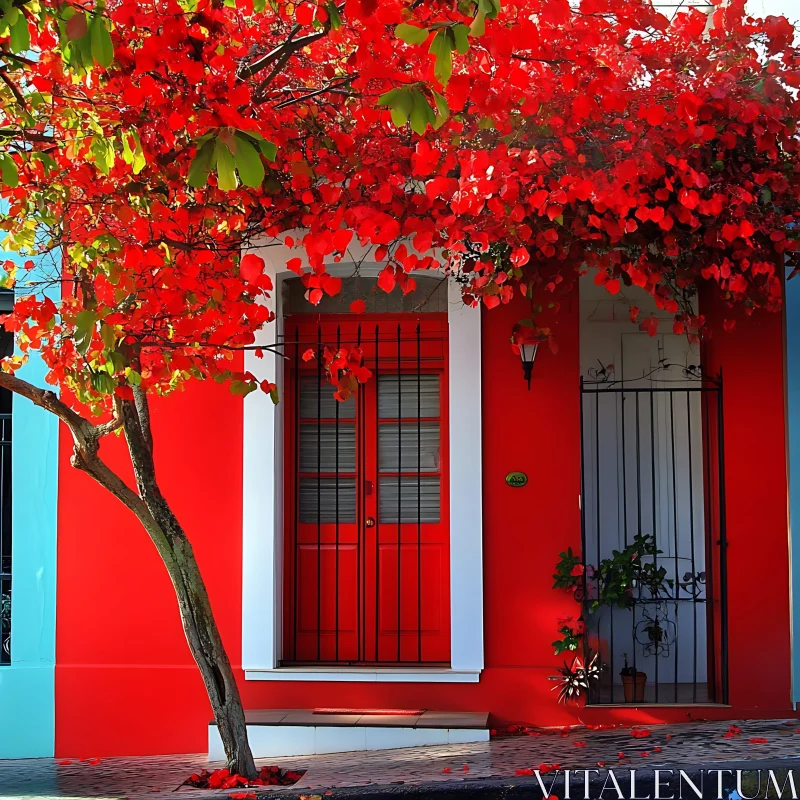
x=366, y=552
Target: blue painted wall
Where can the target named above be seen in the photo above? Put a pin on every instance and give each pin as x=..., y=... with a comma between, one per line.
x=27, y=690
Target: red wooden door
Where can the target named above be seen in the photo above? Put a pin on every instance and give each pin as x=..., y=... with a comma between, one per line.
x=366, y=550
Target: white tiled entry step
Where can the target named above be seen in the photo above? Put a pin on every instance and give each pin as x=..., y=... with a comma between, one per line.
x=303, y=733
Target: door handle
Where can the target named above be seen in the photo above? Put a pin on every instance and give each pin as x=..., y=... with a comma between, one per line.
x=370, y=522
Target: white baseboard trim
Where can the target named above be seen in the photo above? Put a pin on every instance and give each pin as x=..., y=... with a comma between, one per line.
x=277, y=741
x=388, y=675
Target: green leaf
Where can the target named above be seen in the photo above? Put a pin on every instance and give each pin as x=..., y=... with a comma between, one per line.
x=259, y=6
x=333, y=16
x=226, y=167
x=274, y=395
x=443, y=111
x=135, y=156
x=478, y=27
x=102, y=48
x=202, y=164
x=242, y=388
x=103, y=154
x=8, y=172
x=421, y=114
x=411, y=34
x=489, y=7
x=461, y=36
x=20, y=35
x=248, y=162
x=388, y=98
x=103, y=383
x=269, y=149
x=442, y=49
x=84, y=328
x=400, y=103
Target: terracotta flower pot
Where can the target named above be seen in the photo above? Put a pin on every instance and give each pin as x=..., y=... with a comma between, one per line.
x=633, y=687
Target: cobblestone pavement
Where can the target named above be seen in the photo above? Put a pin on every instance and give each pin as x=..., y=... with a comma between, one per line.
x=158, y=778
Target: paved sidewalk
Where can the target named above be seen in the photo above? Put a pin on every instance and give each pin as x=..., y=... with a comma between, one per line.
x=452, y=766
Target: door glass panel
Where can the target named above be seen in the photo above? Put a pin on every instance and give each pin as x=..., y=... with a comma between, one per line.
x=402, y=398
x=409, y=447
x=317, y=401
x=318, y=500
x=319, y=445
x=416, y=499
x=418, y=447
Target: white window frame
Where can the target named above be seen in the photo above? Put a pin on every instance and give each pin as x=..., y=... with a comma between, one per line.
x=262, y=506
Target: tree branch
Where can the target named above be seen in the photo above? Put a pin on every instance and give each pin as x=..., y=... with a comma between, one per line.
x=13, y=87
x=86, y=438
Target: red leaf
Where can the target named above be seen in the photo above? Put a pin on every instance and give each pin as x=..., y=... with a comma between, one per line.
x=758, y=740
x=521, y=772
x=251, y=268
x=309, y=354
x=331, y=284
x=613, y=286
x=655, y=115
x=447, y=770
x=729, y=325
x=295, y=265
x=579, y=744
x=341, y=239
x=642, y=733
x=650, y=325
x=387, y=279
x=358, y=306
x=304, y=14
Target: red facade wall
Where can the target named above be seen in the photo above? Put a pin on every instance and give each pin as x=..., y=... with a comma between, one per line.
x=752, y=360
x=126, y=684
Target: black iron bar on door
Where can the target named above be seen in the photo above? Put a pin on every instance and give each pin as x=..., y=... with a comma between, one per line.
x=673, y=630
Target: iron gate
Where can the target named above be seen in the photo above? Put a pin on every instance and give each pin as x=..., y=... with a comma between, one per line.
x=366, y=561
x=653, y=463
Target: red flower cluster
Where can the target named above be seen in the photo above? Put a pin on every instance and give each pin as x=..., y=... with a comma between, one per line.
x=225, y=779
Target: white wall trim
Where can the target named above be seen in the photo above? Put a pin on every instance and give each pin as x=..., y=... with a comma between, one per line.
x=262, y=512
x=366, y=675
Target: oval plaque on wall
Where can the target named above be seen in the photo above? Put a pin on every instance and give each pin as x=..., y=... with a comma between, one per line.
x=516, y=479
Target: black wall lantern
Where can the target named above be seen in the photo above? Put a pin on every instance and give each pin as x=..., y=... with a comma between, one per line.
x=527, y=352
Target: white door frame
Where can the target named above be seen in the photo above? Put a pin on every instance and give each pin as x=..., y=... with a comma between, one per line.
x=262, y=508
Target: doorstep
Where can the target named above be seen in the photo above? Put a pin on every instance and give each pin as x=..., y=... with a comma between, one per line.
x=304, y=732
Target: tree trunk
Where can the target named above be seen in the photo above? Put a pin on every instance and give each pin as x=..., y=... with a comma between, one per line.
x=198, y=621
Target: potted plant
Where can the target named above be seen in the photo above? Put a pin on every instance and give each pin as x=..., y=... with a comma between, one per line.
x=633, y=681
x=576, y=680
